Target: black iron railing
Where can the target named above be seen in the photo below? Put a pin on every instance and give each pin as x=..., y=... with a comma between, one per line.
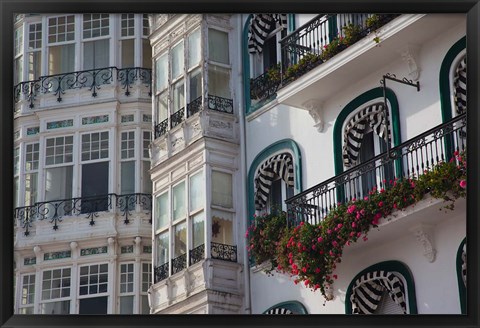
x=160, y=272
x=92, y=79
x=177, y=118
x=220, y=104
x=194, y=106
x=197, y=254
x=408, y=160
x=223, y=252
x=56, y=210
x=179, y=263
x=161, y=128
x=304, y=48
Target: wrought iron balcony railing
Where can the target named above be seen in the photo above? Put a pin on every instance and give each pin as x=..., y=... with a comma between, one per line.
x=216, y=103
x=179, y=263
x=408, y=160
x=223, y=252
x=161, y=272
x=93, y=80
x=312, y=43
x=197, y=254
x=56, y=210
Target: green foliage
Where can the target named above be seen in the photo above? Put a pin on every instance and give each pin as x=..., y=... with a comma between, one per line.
x=310, y=253
x=351, y=33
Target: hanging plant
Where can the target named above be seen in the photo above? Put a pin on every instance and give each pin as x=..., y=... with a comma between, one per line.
x=310, y=253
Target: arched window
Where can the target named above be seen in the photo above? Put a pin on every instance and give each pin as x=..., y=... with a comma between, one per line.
x=279, y=167
x=290, y=307
x=462, y=274
x=383, y=288
x=452, y=80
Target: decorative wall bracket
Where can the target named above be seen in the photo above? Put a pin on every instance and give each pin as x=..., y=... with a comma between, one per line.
x=424, y=234
x=409, y=55
x=314, y=108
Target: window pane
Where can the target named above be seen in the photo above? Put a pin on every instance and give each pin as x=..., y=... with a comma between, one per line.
x=196, y=191
x=161, y=211
x=34, y=65
x=178, y=95
x=179, y=201
x=96, y=54
x=58, y=183
x=222, y=189
x=127, y=178
x=147, y=182
x=128, y=48
x=62, y=307
x=219, y=81
x=126, y=305
x=61, y=59
x=180, y=240
x=194, y=48
x=147, y=54
x=218, y=46
x=198, y=233
x=161, y=72
x=195, y=84
x=162, y=107
x=145, y=306
x=162, y=248
x=177, y=60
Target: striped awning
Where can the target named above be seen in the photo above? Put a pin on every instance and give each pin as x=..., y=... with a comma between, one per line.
x=367, y=291
x=373, y=116
x=260, y=26
x=279, y=310
x=280, y=165
x=460, y=86
x=464, y=264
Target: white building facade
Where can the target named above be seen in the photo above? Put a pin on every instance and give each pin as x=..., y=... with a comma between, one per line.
x=311, y=122
x=82, y=184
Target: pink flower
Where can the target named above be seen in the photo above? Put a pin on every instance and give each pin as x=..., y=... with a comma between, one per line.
x=380, y=204
x=339, y=226
x=335, y=276
x=365, y=198
x=329, y=231
x=304, y=269
x=353, y=225
x=334, y=243
x=463, y=184
x=319, y=239
x=246, y=234
x=317, y=270
x=351, y=209
x=307, y=282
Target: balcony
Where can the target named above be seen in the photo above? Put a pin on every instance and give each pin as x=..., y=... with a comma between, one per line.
x=47, y=90
x=215, y=103
x=218, y=251
x=56, y=212
x=408, y=160
x=313, y=44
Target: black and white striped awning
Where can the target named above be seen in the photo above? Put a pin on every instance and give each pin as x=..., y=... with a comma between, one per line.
x=373, y=116
x=280, y=165
x=367, y=291
x=279, y=310
x=261, y=26
x=464, y=264
x=460, y=86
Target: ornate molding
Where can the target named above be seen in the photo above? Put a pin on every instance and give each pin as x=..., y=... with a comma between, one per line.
x=314, y=108
x=409, y=55
x=423, y=234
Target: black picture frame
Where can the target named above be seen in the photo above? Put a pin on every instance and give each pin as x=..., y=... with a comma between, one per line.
x=8, y=7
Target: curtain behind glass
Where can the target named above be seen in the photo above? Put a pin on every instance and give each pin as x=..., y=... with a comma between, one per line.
x=96, y=54
x=222, y=189
x=218, y=46
x=61, y=59
x=196, y=191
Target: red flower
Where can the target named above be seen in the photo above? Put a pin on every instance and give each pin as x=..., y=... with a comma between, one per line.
x=463, y=184
x=317, y=270
x=335, y=276
x=353, y=226
x=319, y=239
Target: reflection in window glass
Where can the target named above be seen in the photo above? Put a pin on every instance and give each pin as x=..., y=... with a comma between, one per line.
x=196, y=191
x=219, y=81
x=198, y=233
x=218, y=46
x=161, y=211
x=180, y=241
x=194, y=48
x=178, y=95
x=177, y=60
x=179, y=201
x=222, y=189
x=162, y=248
x=161, y=73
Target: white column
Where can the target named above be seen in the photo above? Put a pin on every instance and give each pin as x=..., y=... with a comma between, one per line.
x=78, y=42
x=74, y=278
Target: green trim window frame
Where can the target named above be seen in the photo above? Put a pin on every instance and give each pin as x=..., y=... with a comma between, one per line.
x=462, y=288
x=390, y=266
x=445, y=82
x=452, y=57
x=295, y=307
x=285, y=145
x=356, y=104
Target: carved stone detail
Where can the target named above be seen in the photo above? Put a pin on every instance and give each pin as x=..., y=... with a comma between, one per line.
x=423, y=234
x=314, y=108
x=177, y=142
x=409, y=56
x=220, y=124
